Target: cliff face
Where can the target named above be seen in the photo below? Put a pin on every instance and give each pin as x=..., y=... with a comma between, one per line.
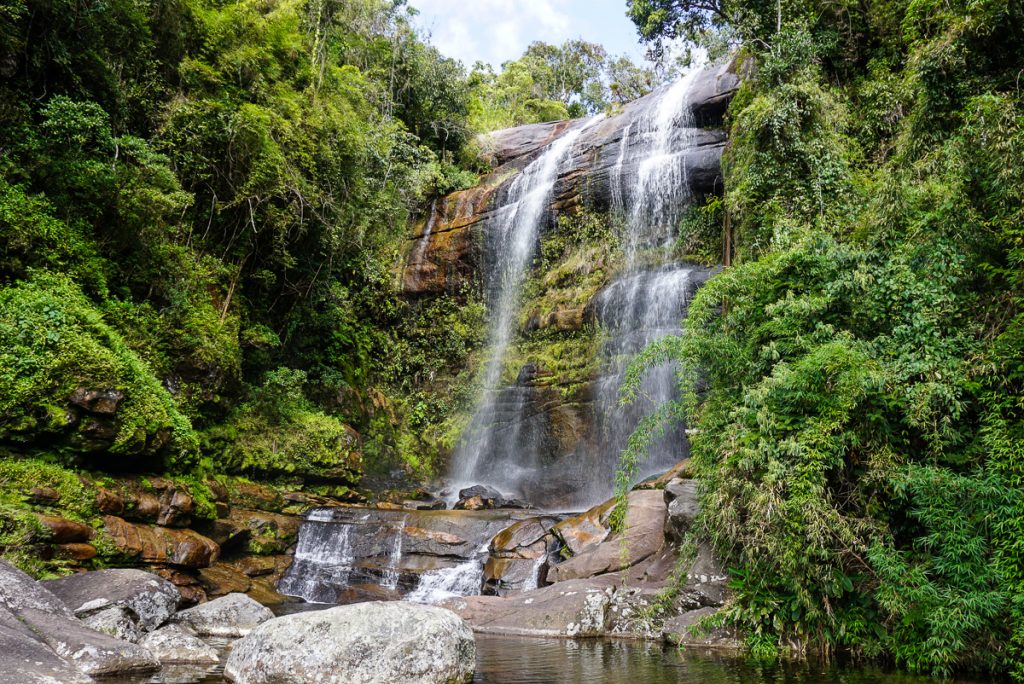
x=445, y=251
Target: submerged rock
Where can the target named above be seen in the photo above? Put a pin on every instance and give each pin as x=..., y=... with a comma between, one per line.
x=234, y=615
x=397, y=643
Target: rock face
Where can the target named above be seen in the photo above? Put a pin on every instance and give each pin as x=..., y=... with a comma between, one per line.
x=446, y=249
x=398, y=643
x=151, y=544
x=234, y=615
x=150, y=600
x=681, y=498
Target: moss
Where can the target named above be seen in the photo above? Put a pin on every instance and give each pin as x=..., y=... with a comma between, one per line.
x=53, y=341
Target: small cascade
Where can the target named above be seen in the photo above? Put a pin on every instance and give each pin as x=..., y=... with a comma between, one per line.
x=440, y=585
x=513, y=234
x=390, y=576
x=354, y=553
x=323, y=561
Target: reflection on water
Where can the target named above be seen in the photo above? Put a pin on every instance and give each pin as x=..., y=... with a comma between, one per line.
x=512, y=660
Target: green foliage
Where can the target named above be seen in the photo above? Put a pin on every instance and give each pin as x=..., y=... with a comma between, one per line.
x=54, y=341
x=279, y=433
x=855, y=381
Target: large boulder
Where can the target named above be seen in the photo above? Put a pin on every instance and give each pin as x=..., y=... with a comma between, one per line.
x=149, y=600
x=27, y=660
x=54, y=625
x=234, y=615
x=393, y=642
x=644, y=536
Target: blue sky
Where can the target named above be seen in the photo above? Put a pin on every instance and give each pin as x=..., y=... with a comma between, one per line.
x=498, y=30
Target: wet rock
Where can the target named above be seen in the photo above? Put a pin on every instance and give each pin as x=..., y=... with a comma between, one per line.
x=685, y=630
x=254, y=496
x=150, y=600
x=473, y=503
x=644, y=530
x=99, y=402
x=479, y=497
x=234, y=615
x=109, y=502
x=399, y=643
x=681, y=500
x=259, y=532
x=64, y=531
x=75, y=552
x=221, y=579
x=504, y=576
x=43, y=495
x=178, y=644
x=160, y=544
x=176, y=508
x=529, y=539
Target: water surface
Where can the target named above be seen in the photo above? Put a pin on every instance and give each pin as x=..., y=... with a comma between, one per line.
x=511, y=660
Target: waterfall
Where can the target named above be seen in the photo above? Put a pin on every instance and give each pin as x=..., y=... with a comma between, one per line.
x=648, y=300
x=514, y=232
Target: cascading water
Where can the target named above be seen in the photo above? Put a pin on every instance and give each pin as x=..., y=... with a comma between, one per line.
x=648, y=300
x=508, y=443
x=513, y=232
x=323, y=562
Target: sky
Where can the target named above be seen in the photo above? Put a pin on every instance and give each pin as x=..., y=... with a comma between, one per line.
x=495, y=31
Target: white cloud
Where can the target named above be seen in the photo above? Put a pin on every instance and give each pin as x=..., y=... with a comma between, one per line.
x=492, y=30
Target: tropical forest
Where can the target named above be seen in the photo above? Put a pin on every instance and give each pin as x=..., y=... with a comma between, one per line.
x=423, y=342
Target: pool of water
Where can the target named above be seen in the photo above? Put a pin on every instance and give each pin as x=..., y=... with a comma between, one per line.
x=513, y=660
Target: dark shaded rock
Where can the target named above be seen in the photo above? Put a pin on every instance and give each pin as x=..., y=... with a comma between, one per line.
x=150, y=599
x=681, y=499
